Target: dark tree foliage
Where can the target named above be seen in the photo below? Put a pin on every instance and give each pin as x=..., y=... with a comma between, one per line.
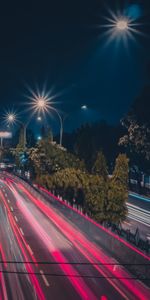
x=90, y=138
x=137, y=138
x=18, y=135
x=49, y=157
x=100, y=166
x=118, y=190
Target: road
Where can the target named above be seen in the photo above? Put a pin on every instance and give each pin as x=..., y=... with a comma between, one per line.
x=55, y=259
x=140, y=201
x=138, y=215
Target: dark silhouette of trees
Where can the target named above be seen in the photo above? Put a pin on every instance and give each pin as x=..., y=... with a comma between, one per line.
x=86, y=141
x=100, y=166
x=136, y=141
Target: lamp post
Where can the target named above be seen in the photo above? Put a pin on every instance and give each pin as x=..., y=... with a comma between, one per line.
x=10, y=119
x=61, y=125
x=122, y=25
x=42, y=104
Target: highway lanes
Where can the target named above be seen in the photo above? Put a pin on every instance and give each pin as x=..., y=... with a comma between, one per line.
x=11, y=249
x=51, y=238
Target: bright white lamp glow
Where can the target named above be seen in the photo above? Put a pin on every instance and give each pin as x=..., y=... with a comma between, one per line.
x=84, y=107
x=122, y=24
x=10, y=117
x=120, y=28
x=41, y=102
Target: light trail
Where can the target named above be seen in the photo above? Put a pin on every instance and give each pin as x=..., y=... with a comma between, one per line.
x=19, y=237
x=96, y=224
x=139, y=197
x=80, y=286
x=85, y=247
x=3, y=256
x=138, y=214
x=78, y=239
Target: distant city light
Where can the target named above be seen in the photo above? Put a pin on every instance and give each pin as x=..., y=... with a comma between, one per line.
x=5, y=134
x=39, y=138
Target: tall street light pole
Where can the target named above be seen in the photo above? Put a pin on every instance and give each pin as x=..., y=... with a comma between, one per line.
x=42, y=104
x=61, y=125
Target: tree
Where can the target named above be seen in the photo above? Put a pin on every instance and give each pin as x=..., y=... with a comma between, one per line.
x=18, y=152
x=48, y=158
x=137, y=138
x=100, y=166
x=88, y=191
x=96, y=197
x=30, y=138
x=89, y=138
x=21, y=138
x=118, y=190
x=68, y=183
x=104, y=200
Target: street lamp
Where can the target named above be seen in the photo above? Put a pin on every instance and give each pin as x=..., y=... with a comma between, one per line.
x=84, y=107
x=42, y=104
x=11, y=118
x=122, y=25
x=39, y=118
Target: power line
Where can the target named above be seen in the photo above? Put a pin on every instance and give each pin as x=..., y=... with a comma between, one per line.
x=72, y=263
x=71, y=275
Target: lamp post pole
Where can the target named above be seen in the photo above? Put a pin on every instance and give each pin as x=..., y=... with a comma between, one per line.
x=61, y=125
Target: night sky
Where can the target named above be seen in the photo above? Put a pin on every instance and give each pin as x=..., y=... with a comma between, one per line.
x=63, y=44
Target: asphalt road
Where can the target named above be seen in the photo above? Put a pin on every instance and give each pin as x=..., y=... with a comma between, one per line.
x=140, y=201
x=60, y=261
x=138, y=215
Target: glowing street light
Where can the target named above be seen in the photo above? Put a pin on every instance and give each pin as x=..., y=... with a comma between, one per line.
x=42, y=104
x=11, y=118
x=84, y=107
x=122, y=25
x=120, y=28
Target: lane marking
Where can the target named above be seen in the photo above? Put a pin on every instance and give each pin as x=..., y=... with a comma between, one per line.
x=30, y=249
x=44, y=278
x=16, y=219
x=8, y=201
x=21, y=231
x=139, y=197
x=135, y=207
x=11, y=208
x=138, y=220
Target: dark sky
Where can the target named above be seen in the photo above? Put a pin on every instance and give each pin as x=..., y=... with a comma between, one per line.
x=63, y=44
